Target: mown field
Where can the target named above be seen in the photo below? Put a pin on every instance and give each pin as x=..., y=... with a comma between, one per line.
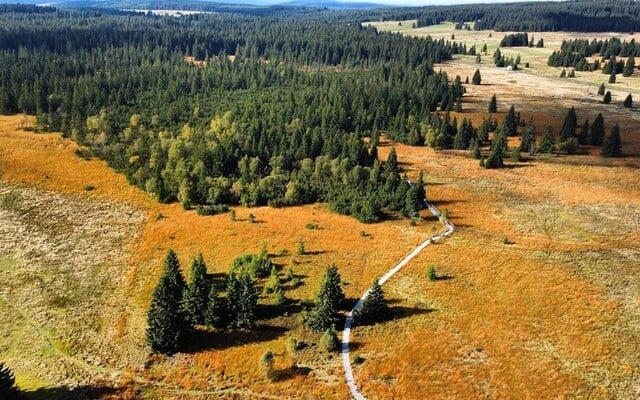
x=539, y=296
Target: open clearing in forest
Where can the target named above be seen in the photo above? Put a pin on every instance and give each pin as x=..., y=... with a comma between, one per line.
x=537, y=92
x=539, y=295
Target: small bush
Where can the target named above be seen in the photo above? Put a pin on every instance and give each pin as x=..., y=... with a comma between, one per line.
x=159, y=216
x=328, y=341
x=252, y=218
x=267, y=362
x=358, y=359
x=506, y=241
x=432, y=275
x=212, y=210
x=88, y=187
x=311, y=226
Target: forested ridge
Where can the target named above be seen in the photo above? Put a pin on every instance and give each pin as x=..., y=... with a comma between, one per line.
x=226, y=109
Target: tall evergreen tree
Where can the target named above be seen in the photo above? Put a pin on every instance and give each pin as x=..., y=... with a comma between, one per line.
x=214, y=314
x=612, y=76
x=607, y=97
x=612, y=146
x=583, y=135
x=374, y=307
x=325, y=311
x=475, y=149
x=476, y=79
x=628, y=101
x=419, y=185
x=548, y=141
x=232, y=301
x=569, y=125
x=195, y=295
x=510, y=124
x=462, y=140
x=629, y=66
x=391, y=165
x=246, y=316
x=601, y=89
x=412, y=204
x=166, y=322
x=493, y=105
x=597, y=131
x=528, y=137
x=498, y=150
x=8, y=389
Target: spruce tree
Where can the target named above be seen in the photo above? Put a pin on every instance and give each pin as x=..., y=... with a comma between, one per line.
x=8, y=389
x=419, y=185
x=195, y=295
x=548, y=141
x=412, y=203
x=391, y=165
x=528, y=137
x=374, y=307
x=597, y=131
x=493, y=105
x=476, y=79
x=213, y=316
x=583, y=135
x=232, y=301
x=248, y=301
x=607, y=97
x=612, y=76
x=569, y=125
x=612, y=146
x=325, y=311
x=601, y=90
x=498, y=151
x=629, y=66
x=475, y=150
x=510, y=124
x=328, y=341
x=628, y=101
x=166, y=322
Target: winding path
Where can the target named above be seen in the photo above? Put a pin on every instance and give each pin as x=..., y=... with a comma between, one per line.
x=346, y=332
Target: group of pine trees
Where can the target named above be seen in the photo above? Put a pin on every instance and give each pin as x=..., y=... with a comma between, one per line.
x=324, y=316
x=177, y=306
x=569, y=139
x=575, y=53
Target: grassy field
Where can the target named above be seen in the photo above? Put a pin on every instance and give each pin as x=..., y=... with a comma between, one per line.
x=538, y=296
x=537, y=92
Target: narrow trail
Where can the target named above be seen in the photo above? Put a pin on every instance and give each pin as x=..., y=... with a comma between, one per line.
x=346, y=332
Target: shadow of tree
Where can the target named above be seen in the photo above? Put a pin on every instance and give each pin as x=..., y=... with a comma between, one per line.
x=97, y=392
x=291, y=372
x=400, y=312
x=202, y=339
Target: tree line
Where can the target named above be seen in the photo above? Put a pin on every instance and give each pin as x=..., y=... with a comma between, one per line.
x=579, y=16
x=229, y=109
x=575, y=53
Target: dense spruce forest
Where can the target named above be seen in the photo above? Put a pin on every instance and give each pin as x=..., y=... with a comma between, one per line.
x=574, y=53
x=212, y=110
x=576, y=15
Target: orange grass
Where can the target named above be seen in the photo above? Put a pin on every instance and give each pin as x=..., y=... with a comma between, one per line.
x=515, y=321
